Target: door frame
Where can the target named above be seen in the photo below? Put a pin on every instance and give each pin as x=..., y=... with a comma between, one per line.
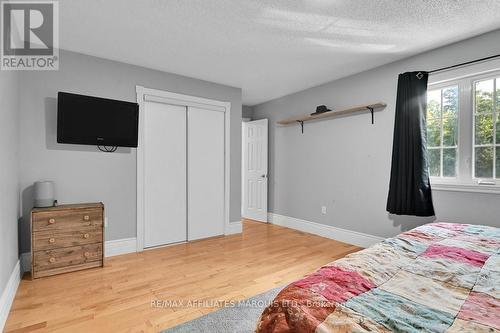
x=168, y=97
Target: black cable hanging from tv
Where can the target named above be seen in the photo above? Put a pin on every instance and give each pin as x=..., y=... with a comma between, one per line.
x=107, y=149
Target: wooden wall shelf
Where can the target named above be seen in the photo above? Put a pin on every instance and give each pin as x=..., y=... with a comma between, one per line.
x=379, y=106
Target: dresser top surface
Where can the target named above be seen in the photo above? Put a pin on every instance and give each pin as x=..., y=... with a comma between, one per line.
x=69, y=207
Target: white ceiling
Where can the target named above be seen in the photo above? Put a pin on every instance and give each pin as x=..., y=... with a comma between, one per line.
x=268, y=48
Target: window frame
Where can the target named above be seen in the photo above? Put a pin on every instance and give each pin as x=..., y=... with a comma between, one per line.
x=465, y=79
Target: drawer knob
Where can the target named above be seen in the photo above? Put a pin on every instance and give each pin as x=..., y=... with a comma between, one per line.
x=52, y=221
x=52, y=260
x=86, y=254
x=52, y=240
x=86, y=218
x=86, y=236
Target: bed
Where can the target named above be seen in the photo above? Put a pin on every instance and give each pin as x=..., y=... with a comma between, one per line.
x=439, y=277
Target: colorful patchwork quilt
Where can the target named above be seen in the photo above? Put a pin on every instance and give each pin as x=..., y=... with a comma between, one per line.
x=440, y=277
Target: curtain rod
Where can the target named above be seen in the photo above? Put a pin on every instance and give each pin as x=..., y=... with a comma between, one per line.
x=464, y=63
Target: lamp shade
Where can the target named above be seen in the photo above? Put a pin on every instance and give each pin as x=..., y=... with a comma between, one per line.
x=44, y=194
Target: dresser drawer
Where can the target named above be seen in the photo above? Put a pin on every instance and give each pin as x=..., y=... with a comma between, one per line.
x=54, y=239
x=67, y=257
x=59, y=220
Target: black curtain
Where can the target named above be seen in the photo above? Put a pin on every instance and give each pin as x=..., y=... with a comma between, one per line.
x=409, y=188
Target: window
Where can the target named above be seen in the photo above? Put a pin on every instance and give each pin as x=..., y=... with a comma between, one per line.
x=487, y=128
x=463, y=129
x=442, y=131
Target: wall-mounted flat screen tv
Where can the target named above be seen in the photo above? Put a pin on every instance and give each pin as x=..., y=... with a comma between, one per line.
x=88, y=120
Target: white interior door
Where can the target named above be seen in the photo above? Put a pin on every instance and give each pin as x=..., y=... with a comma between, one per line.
x=254, y=194
x=205, y=173
x=164, y=174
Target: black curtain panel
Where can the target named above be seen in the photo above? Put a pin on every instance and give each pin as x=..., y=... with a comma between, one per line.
x=410, y=188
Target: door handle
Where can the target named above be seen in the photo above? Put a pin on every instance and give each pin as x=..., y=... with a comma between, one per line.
x=263, y=176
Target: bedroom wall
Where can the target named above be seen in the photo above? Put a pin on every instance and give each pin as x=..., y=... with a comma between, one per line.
x=344, y=163
x=246, y=112
x=9, y=189
x=82, y=173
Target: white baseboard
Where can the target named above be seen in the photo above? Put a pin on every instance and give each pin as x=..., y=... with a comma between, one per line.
x=9, y=293
x=120, y=246
x=233, y=228
x=339, y=234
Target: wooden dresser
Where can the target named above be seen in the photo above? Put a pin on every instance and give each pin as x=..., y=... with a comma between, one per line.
x=66, y=238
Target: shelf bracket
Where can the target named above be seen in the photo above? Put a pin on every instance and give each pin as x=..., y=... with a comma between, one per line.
x=301, y=122
x=371, y=110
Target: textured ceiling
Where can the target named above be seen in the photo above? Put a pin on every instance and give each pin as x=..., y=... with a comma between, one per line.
x=268, y=48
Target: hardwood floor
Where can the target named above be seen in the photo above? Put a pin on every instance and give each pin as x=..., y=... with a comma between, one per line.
x=117, y=298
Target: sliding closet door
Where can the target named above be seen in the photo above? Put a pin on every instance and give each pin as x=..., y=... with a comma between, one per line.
x=165, y=174
x=205, y=173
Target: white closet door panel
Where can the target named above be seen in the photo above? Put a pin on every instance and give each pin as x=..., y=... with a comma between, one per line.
x=205, y=173
x=165, y=174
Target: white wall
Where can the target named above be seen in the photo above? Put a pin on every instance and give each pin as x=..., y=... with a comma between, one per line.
x=9, y=189
x=344, y=163
x=83, y=174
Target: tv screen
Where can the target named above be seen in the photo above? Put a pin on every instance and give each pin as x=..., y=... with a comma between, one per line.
x=96, y=121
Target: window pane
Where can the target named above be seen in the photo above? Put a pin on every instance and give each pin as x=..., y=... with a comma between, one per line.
x=450, y=132
x=434, y=104
x=449, y=162
x=498, y=94
x=498, y=163
x=497, y=113
x=484, y=162
x=484, y=96
x=484, y=129
x=450, y=102
x=434, y=162
x=434, y=133
x=498, y=126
